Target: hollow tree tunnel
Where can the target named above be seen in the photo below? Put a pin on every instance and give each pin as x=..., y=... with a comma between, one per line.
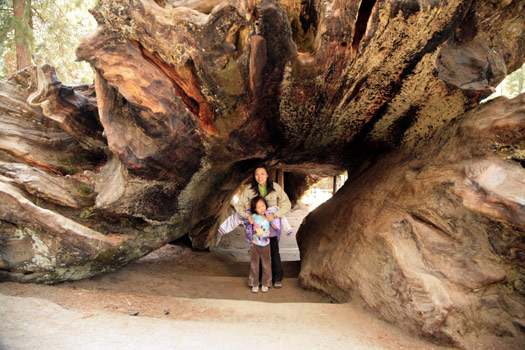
x=429, y=229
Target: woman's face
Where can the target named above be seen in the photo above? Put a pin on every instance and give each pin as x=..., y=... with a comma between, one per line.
x=261, y=176
x=260, y=207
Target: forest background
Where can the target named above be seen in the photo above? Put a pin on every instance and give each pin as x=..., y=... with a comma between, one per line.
x=35, y=32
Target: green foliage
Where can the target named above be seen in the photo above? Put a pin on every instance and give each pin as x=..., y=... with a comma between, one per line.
x=85, y=190
x=73, y=163
x=6, y=25
x=57, y=29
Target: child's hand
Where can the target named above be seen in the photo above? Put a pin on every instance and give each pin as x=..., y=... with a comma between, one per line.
x=250, y=219
x=270, y=217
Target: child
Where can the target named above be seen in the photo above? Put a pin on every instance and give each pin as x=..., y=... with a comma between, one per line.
x=278, y=225
x=260, y=248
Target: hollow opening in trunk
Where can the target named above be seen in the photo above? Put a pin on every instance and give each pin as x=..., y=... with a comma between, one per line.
x=228, y=262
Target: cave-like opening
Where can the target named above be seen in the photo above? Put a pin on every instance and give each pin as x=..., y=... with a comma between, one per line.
x=306, y=191
x=193, y=271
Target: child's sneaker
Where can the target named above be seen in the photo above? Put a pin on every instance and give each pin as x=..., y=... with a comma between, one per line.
x=264, y=289
x=255, y=289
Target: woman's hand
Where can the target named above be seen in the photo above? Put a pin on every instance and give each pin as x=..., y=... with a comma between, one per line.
x=250, y=219
x=270, y=217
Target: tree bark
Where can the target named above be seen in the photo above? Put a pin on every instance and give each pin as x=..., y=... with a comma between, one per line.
x=188, y=102
x=429, y=237
x=21, y=11
x=10, y=63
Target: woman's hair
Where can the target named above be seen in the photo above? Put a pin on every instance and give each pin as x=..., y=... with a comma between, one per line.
x=255, y=184
x=254, y=202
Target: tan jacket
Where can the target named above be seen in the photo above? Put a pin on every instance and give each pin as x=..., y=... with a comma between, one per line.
x=277, y=198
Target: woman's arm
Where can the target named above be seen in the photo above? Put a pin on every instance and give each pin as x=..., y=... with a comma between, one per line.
x=241, y=204
x=284, y=202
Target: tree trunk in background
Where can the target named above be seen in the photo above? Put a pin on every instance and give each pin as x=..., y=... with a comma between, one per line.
x=429, y=229
x=10, y=63
x=22, y=11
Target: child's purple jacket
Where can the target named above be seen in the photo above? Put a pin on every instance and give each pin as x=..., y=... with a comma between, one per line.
x=235, y=220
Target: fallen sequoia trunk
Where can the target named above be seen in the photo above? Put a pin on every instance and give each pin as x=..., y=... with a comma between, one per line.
x=189, y=99
x=432, y=237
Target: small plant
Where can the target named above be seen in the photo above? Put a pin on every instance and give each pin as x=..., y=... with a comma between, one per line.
x=85, y=190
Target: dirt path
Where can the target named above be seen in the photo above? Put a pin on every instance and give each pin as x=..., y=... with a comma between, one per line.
x=188, y=299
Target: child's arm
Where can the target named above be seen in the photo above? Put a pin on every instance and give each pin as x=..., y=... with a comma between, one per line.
x=285, y=226
x=276, y=224
x=230, y=224
x=265, y=217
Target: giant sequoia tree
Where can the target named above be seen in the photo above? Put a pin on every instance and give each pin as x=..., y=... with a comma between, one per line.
x=428, y=230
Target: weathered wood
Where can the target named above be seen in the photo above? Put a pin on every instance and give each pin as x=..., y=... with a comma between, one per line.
x=49, y=125
x=190, y=95
x=66, y=191
x=429, y=238
x=73, y=109
x=146, y=123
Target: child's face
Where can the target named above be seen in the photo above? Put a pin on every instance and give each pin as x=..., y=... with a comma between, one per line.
x=260, y=207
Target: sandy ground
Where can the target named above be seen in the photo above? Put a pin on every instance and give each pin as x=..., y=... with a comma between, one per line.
x=180, y=298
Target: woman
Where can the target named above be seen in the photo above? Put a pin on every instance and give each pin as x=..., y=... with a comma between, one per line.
x=274, y=196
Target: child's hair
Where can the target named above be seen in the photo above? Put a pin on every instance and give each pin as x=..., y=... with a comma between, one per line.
x=254, y=202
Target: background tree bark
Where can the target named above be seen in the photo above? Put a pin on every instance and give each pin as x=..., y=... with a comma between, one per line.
x=10, y=62
x=22, y=12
